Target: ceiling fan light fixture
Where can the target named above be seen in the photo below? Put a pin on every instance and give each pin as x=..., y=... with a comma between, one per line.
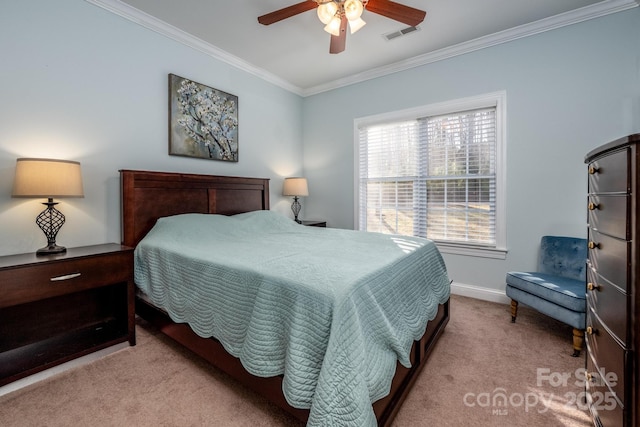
x=355, y=25
x=333, y=27
x=353, y=9
x=337, y=14
x=327, y=11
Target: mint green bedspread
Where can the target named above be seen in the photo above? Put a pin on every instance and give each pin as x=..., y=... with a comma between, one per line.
x=332, y=310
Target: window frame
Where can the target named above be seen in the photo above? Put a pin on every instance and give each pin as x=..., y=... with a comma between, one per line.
x=494, y=99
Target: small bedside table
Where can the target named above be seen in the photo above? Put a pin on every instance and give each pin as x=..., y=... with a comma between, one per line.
x=313, y=223
x=55, y=308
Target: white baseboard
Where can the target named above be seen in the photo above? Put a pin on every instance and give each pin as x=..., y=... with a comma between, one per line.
x=478, y=292
x=32, y=379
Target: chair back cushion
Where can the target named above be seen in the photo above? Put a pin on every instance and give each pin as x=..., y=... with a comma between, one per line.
x=563, y=256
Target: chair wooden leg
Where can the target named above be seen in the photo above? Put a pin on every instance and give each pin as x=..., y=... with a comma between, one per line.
x=578, y=338
x=514, y=310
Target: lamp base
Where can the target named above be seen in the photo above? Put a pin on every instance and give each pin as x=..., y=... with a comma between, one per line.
x=295, y=207
x=50, y=221
x=51, y=249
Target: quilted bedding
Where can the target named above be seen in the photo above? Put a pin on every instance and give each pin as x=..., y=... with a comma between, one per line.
x=332, y=310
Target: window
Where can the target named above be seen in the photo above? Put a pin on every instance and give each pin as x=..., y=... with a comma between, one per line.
x=435, y=172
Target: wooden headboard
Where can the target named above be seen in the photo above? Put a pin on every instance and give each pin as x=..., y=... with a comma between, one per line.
x=147, y=196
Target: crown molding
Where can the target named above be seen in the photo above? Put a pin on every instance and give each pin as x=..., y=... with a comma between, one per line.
x=154, y=24
x=597, y=10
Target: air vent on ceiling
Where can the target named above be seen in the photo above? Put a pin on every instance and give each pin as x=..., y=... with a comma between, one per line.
x=399, y=33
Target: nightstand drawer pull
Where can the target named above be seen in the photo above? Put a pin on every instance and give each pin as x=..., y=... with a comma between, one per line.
x=65, y=277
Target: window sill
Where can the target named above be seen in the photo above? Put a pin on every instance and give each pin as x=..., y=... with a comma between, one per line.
x=469, y=250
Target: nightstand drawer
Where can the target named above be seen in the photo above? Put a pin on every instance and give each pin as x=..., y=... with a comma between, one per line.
x=36, y=282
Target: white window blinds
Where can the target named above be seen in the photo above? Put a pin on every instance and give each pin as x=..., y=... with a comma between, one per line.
x=432, y=177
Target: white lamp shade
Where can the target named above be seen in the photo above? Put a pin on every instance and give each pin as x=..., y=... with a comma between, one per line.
x=295, y=187
x=333, y=27
x=326, y=11
x=353, y=9
x=356, y=24
x=47, y=178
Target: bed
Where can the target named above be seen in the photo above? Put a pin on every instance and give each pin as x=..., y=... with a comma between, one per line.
x=150, y=198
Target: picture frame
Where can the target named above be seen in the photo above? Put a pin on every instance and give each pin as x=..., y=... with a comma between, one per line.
x=203, y=121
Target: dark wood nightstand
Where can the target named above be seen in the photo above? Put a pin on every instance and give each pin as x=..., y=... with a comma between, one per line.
x=313, y=223
x=55, y=308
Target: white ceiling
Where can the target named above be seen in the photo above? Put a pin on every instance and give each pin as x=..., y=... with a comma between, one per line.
x=294, y=53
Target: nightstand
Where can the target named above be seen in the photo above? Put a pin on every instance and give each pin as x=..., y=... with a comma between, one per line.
x=55, y=308
x=313, y=223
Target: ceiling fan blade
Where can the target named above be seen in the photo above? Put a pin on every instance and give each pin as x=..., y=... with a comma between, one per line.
x=396, y=11
x=287, y=12
x=338, y=43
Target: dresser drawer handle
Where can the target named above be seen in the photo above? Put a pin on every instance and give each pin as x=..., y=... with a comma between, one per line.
x=593, y=286
x=593, y=170
x=593, y=206
x=593, y=245
x=591, y=330
x=65, y=277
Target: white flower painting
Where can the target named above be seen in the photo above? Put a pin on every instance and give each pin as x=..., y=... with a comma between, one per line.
x=203, y=121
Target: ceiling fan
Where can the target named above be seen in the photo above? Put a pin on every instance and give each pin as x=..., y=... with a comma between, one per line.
x=337, y=14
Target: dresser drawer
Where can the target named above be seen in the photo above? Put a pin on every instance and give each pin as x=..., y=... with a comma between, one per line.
x=608, y=256
x=610, y=173
x=609, y=302
x=36, y=282
x=601, y=401
x=608, y=214
x=609, y=354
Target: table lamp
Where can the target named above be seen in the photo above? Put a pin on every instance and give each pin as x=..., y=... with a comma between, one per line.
x=296, y=187
x=48, y=178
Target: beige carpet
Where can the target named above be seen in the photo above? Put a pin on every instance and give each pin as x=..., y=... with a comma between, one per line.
x=480, y=359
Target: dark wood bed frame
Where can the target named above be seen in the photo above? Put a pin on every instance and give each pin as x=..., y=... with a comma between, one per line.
x=147, y=196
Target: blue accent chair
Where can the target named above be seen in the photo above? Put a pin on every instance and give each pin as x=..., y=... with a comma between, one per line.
x=558, y=288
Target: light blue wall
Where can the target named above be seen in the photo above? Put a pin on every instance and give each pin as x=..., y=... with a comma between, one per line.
x=568, y=91
x=80, y=83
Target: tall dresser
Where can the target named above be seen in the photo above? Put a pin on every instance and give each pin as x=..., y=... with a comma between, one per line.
x=613, y=288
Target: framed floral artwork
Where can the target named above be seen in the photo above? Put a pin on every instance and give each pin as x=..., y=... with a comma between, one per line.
x=203, y=121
